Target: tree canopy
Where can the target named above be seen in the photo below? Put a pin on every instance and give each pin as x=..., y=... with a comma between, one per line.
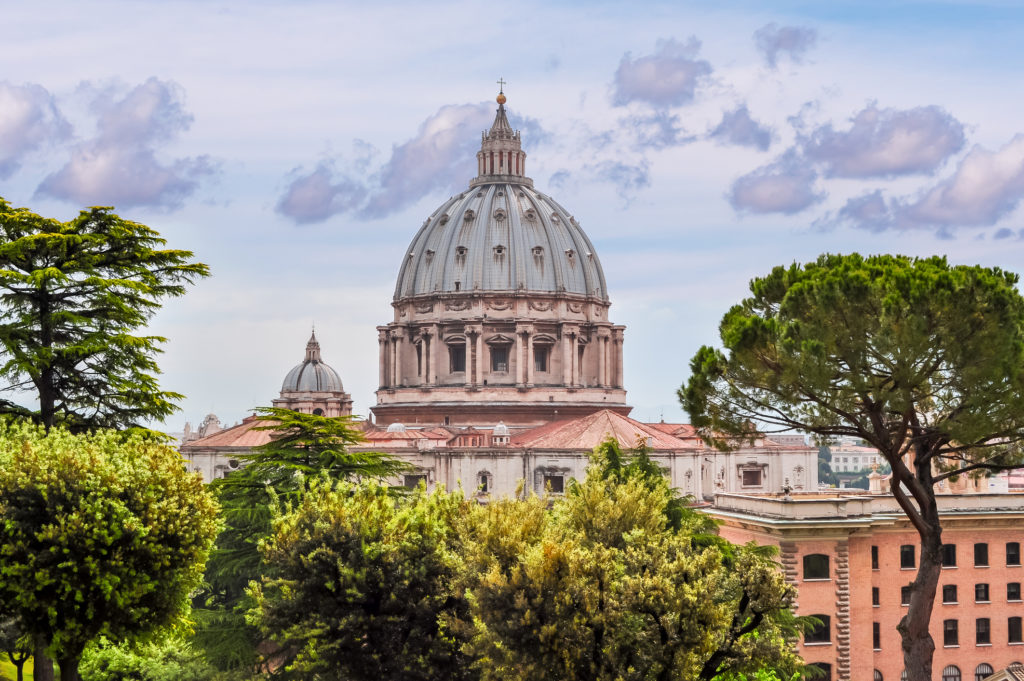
x=72, y=297
x=920, y=359
x=101, y=535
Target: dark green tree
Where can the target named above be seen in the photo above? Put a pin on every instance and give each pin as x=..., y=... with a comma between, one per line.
x=73, y=296
x=302, y=447
x=922, y=360
x=102, y=535
x=364, y=584
x=15, y=643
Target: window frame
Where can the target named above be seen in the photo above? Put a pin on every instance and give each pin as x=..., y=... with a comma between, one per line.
x=809, y=563
x=987, y=593
x=948, y=553
x=821, y=635
x=1014, y=630
x=876, y=597
x=876, y=636
x=905, y=593
x=982, y=631
x=457, y=351
x=908, y=550
x=982, y=674
x=947, y=590
x=500, y=352
x=1008, y=594
x=874, y=557
x=1015, y=553
x=981, y=561
x=951, y=633
x=952, y=673
x=548, y=477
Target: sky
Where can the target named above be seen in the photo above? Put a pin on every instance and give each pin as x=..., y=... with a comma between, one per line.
x=296, y=147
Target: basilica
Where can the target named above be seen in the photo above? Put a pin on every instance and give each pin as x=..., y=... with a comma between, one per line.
x=500, y=369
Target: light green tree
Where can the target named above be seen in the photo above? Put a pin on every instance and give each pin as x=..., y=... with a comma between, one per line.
x=920, y=359
x=73, y=296
x=101, y=535
x=616, y=582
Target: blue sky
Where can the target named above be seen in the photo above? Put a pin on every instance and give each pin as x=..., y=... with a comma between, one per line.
x=296, y=147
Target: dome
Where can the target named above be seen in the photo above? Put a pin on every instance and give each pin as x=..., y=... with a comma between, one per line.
x=501, y=235
x=312, y=375
x=396, y=428
x=501, y=429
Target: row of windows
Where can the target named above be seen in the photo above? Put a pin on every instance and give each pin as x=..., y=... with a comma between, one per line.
x=908, y=555
x=499, y=359
x=949, y=673
x=949, y=594
x=822, y=633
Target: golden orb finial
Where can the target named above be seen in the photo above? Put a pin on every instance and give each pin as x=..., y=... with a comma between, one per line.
x=501, y=98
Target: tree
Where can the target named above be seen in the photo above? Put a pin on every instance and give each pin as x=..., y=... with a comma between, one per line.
x=170, y=659
x=14, y=643
x=922, y=360
x=363, y=583
x=613, y=584
x=302, y=447
x=72, y=296
x=103, y=535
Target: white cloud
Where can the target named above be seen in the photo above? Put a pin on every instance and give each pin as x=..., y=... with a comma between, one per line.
x=119, y=165
x=669, y=77
x=785, y=186
x=29, y=118
x=772, y=40
x=737, y=127
x=886, y=142
x=318, y=195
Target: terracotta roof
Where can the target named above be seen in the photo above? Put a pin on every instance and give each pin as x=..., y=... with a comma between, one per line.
x=589, y=431
x=242, y=435
x=680, y=430
x=424, y=434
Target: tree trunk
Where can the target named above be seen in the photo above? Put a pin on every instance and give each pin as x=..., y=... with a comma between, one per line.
x=43, y=664
x=69, y=669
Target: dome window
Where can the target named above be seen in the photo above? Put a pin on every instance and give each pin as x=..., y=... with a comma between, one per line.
x=469, y=215
x=429, y=253
x=530, y=215
x=444, y=219
x=570, y=253
x=500, y=193
x=461, y=251
x=555, y=218
x=499, y=250
x=499, y=215
x=538, y=251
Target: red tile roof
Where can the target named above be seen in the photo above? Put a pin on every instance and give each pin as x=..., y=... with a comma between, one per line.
x=589, y=431
x=242, y=435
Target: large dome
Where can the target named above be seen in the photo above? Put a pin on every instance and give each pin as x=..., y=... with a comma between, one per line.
x=312, y=375
x=501, y=237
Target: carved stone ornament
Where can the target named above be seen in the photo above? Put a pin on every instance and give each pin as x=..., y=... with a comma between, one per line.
x=541, y=305
x=498, y=304
x=458, y=305
x=575, y=307
x=423, y=308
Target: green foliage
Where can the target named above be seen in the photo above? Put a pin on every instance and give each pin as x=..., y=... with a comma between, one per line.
x=72, y=296
x=363, y=584
x=170, y=659
x=100, y=535
x=273, y=475
x=922, y=360
x=603, y=587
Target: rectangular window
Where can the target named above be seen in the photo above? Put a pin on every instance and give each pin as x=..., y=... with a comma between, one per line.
x=907, y=557
x=949, y=593
x=499, y=360
x=751, y=477
x=905, y=595
x=949, y=555
x=874, y=557
x=982, y=631
x=1013, y=591
x=821, y=633
x=1014, y=630
x=981, y=555
x=1012, y=553
x=540, y=359
x=981, y=593
x=413, y=481
x=876, y=636
x=554, y=484
x=457, y=355
x=816, y=566
x=950, y=633
x=876, y=599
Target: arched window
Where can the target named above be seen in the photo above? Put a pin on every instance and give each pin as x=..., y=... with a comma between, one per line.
x=878, y=676
x=824, y=669
x=951, y=673
x=816, y=566
x=318, y=412
x=983, y=671
x=821, y=633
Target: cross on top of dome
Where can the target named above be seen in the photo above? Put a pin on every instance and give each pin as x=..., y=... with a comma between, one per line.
x=501, y=157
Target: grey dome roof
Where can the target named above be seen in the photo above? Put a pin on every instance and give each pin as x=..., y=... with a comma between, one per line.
x=501, y=237
x=312, y=375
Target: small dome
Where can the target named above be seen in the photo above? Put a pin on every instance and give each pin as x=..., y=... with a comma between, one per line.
x=312, y=375
x=501, y=429
x=396, y=428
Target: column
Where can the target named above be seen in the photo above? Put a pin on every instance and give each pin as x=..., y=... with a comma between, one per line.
x=479, y=356
x=382, y=341
x=520, y=373
x=566, y=356
x=435, y=341
x=396, y=378
x=618, y=359
x=530, y=366
x=602, y=367
x=575, y=354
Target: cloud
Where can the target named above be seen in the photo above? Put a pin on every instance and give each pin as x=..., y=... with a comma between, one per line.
x=440, y=157
x=29, y=118
x=985, y=187
x=316, y=196
x=784, y=186
x=669, y=77
x=772, y=40
x=656, y=131
x=628, y=178
x=119, y=165
x=886, y=143
x=737, y=127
